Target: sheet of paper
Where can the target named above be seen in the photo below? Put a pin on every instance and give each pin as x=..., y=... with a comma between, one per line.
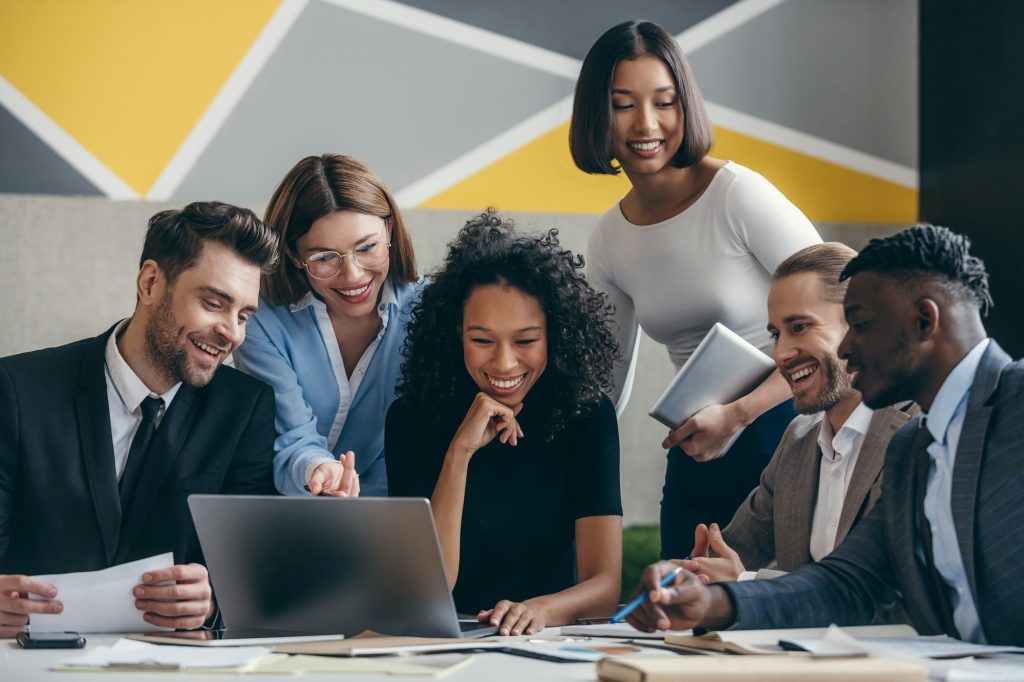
x=620, y=630
x=100, y=601
x=126, y=652
x=836, y=641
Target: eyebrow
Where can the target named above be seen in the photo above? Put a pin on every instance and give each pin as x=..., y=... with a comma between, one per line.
x=627, y=91
x=362, y=240
x=479, y=328
x=227, y=297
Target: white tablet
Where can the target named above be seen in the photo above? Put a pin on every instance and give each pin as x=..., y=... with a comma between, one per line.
x=724, y=367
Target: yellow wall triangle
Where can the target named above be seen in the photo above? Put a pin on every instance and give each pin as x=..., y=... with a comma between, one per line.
x=128, y=79
x=540, y=176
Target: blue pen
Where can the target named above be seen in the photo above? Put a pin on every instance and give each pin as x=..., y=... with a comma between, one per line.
x=641, y=598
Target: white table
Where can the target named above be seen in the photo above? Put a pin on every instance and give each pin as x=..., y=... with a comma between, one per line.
x=22, y=665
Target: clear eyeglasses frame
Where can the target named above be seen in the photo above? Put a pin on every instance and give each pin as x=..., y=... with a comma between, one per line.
x=327, y=264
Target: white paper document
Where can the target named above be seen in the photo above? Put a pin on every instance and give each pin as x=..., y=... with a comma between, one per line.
x=617, y=630
x=837, y=642
x=100, y=601
x=128, y=653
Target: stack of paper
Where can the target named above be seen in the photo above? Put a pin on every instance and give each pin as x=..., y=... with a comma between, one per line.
x=619, y=631
x=126, y=654
x=767, y=641
x=845, y=642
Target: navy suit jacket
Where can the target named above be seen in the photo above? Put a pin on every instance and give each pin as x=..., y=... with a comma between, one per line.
x=878, y=562
x=59, y=504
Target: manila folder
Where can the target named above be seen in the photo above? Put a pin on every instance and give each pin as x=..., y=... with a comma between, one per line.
x=757, y=668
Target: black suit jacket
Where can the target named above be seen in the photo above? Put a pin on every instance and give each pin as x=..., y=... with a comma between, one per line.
x=59, y=504
x=878, y=558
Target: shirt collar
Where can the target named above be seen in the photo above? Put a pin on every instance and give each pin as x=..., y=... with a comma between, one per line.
x=387, y=299
x=855, y=426
x=952, y=392
x=129, y=387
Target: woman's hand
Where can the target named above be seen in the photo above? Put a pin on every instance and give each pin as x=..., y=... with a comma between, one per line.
x=337, y=479
x=514, y=618
x=724, y=566
x=486, y=419
x=705, y=435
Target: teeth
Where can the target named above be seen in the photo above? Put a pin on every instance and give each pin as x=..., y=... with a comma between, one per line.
x=506, y=383
x=209, y=349
x=354, y=292
x=807, y=371
x=645, y=146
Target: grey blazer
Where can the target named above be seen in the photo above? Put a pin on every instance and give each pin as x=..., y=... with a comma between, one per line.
x=763, y=531
x=878, y=559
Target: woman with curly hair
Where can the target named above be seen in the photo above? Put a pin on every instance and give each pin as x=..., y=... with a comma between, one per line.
x=502, y=423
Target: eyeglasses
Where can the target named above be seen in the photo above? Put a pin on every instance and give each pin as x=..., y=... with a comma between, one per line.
x=327, y=264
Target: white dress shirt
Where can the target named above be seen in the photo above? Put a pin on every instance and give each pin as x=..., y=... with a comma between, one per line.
x=944, y=422
x=125, y=393
x=839, y=452
x=347, y=386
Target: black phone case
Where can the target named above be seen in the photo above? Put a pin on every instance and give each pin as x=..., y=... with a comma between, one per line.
x=27, y=641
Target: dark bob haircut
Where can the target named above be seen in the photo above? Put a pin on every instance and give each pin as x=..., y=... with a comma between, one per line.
x=927, y=253
x=318, y=186
x=175, y=238
x=488, y=251
x=590, y=132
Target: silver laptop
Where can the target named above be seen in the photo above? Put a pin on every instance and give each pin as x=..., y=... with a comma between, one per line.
x=327, y=565
x=724, y=367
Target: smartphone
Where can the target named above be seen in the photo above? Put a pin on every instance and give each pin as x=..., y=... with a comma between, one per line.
x=50, y=640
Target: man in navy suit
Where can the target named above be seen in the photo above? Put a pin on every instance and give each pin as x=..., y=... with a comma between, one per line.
x=102, y=440
x=948, y=534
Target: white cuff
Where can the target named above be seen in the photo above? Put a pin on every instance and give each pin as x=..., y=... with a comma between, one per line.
x=747, y=575
x=314, y=464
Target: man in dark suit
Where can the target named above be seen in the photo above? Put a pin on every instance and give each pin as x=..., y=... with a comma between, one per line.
x=102, y=440
x=826, y=474
x=948, y=533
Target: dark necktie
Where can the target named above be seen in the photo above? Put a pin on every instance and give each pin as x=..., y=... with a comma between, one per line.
x=938, y=585
x=137, y=452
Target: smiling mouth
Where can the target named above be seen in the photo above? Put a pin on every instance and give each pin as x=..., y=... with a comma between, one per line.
x=646, y=146
x=505, y=384
x=352, y=293
x=212, y=351
x=800, y=376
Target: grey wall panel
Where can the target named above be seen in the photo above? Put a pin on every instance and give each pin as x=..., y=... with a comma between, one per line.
x=405, y=103
x=841, y=70
x=68, y=271
x=29, y=166
x=570, y=27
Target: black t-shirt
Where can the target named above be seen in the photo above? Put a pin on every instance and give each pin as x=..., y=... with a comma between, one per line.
x=521, y=503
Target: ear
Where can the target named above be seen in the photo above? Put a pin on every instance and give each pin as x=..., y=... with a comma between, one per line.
x=150, y=283
x=928, y=316
x=292, y=256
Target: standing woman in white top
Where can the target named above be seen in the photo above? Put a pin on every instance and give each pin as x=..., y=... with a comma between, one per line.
x=693, y=242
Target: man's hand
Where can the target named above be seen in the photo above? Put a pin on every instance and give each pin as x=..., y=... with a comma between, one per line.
x=685, y=603
x=705, y=435
x=338, y=479
x=184, y=604
x=15, y=606
x=724, y=566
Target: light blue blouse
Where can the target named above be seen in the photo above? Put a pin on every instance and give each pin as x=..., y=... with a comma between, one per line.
x=320, y=411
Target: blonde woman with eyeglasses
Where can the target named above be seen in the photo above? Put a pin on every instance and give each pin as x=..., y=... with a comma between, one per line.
x=331, y=322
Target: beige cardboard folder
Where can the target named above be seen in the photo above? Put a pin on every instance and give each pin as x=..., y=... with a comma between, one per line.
x=759, y=668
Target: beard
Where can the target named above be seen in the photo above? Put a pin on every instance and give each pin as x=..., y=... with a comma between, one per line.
x=836, y=387
x=167, y=354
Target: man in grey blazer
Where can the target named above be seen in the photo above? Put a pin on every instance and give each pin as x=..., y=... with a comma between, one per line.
x=826, y=473
x=948, y=533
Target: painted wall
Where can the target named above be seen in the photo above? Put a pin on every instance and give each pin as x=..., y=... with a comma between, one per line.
x=457, y=104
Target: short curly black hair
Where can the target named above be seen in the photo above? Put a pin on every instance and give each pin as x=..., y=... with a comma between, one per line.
x=489, y=250
x=927, y=252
